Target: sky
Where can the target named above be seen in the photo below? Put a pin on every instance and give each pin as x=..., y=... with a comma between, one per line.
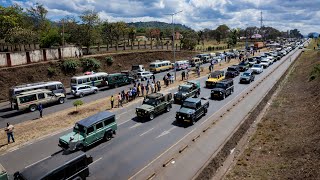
x=284, y=15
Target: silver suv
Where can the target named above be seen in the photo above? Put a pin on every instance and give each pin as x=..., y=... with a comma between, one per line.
x=81, y=90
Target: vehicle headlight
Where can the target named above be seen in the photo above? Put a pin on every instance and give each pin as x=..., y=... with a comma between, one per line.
x=220, y=92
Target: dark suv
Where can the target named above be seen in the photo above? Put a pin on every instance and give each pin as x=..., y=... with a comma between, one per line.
x=232, y=71
x=244, y=65
x=247, y=77
x=222, y=89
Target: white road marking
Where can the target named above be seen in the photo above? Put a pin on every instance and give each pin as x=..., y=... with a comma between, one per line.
x=146, y=132
x=136, y=125
x=124, y=112
x=161, y=155
x=37, y=161
x=166, y=132
x=95, y=161
x=123, y=122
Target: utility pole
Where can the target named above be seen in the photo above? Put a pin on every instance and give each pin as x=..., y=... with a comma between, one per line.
x=173, y=45
x=62, y=39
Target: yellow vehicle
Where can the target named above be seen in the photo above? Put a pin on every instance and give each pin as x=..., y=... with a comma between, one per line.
x=214, y=77
x=159, y=66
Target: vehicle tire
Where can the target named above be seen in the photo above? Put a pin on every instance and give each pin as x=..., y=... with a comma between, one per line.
x=224, y=96
x=95, y=91
x=80, y=147
x=192, y=121
x=107, y=136
x=33, y=108
x=81, y=95
x=61, y=100
x=205, y=112
x=151, y=116
x=168, y=108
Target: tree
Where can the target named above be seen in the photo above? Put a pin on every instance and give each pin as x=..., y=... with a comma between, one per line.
x=217, y=35
x=10, y=17
x=189, y=40
x=224, y=30
x=233, y=38
x=77, y=103
x=88, y=30
x=52, y=37
x=38, y=15
x=310, y=35
x=119, y=30
x=200, y=37
x=132, y=33
x=295, y=33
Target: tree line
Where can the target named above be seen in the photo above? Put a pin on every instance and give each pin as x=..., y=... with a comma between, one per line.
x=31, y=25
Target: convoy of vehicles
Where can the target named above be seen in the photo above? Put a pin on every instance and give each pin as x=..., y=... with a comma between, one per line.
x=191, y=110
x=190, y=89
x=154, y=104
x=31, y=99
x=54, y=86
x=213, y=78
x=101, y=126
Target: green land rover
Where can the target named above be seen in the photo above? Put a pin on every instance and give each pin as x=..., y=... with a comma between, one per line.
x=154, y=104
x=190, y=89
x=3, y=173
x=101, y=126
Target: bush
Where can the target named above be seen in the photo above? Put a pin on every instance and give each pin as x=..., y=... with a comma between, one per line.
x=70, y=66
x=109, y=60
x=77, y=103
x=51, y=71
x=90, y=64
x=315, y=73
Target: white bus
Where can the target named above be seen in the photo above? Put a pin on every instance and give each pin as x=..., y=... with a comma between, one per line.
x=96, y=79
x=54, y=86
x=159, y=66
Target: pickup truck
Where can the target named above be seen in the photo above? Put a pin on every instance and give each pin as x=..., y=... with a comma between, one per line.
x=190, y=89
x=154, y=104
x=191, y=110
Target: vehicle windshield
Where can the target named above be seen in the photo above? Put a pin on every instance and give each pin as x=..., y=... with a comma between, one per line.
x=231, y=69
x=190, y=105
x=152, y=65
x=183, y=89
x=219, y=85
x=242, y=64
x=151, y=102
x=246, y=74
x=251, y=60
x=79, y=128
x=135, y=68
x=257, y=66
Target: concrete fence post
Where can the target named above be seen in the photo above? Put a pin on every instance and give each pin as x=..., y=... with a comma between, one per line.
x=9, y=64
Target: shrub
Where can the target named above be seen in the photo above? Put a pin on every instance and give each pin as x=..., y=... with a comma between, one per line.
x=51, y=71
x=315, y=73
x=109, y=60
x=90, y=64
x=70, y=66
x=77, y=103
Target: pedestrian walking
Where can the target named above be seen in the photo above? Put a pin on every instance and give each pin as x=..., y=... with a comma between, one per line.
x=152, y=87
x=147, y=89
x=187, y=74
x=9, y=131
x=112, y=101
x=138, y=89
x=171, y=79
x=183, y=75
x=198, y=71
x=210, y=68
x=119, y=100
x=142, y=89
x=158, y=85
x=40, y=109
x=153, y=78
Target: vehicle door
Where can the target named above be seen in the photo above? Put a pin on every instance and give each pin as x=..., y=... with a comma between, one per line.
x=87, y=89
x=90, y=135
x=162, y=104
x=41, y=98
x=50, y=98
x=99, y=131
x=157, y=107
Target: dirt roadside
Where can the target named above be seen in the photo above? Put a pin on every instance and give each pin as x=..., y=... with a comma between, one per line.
x=286, y=142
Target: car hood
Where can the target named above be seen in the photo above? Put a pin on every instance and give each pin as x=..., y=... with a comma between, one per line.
x=244, y=77
x=75, y=136
x=212, y=80
x=186, y=110
x=146, y=107
x=180, y=93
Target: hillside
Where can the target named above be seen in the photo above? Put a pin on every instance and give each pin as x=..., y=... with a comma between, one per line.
x=156, y=24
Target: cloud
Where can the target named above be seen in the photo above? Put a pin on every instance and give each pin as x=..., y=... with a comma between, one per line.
x=197, y=14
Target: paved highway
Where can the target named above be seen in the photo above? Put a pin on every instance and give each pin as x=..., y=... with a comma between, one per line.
x=136, y=143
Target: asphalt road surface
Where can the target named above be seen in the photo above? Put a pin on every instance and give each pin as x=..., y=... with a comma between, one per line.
x=136, y=143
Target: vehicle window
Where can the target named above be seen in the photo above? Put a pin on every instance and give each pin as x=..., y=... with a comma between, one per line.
x=99, y=125
x=99, y=78
x=93, y=78
x=80, y=88
x=52, y=87
x=189, y=105
x=79, y=81
x=198, y=104
x=90, y=130
x=152, y=65
x=60, y=86
x=73, y=81
x=41, y=96
x=85, y=80
x=151, y=102
x=183, y=89
x=246, y=74
x=219, y=85
x=28, y=98
x=79, y=128
x=109, y=121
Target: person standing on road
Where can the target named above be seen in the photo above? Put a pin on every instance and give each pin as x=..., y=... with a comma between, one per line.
x=142, y=89
x=183, y=74
x=9, y=131
x=153, y=78
x=158, y=85
x=40, y=108
x=152, y=87
x=147, y=89
x=119, y=100
x=187, y=74
x=112, y=101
